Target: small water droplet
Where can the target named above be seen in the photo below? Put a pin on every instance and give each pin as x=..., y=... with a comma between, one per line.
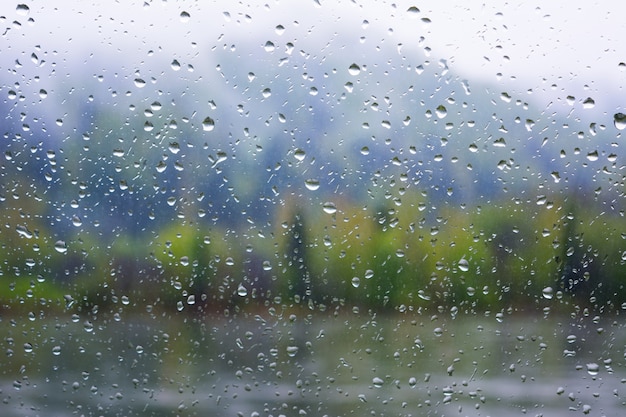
x=378, y=382
x=592, y=156
x=292, y=351
x=365, y=150
x=356, y=281
x=184, y=16
x=589, y=103
x=593, y=369
x=56, y=350
x=242, y=291
x=269, y=46
x=463, y=265
x=619, y=120
x=329, y=207
x=60, y=246
x=369, y=274
x=266, y=92
x=28, y=348
x=548, y=293
x=299, y=154
x=208, y=124
x=354, y=69
x=441, y=111
x=312, y=184
x=413, y=12
x=22, y=9
x=140, y=83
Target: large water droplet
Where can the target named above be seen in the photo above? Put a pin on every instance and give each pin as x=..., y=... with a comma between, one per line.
x=378, y=382
x=329, y=207
x=299, y=154
x=548, y=293
x=619, y=120
x=356, y=281
x=589, y=103
x=441, y=111
x=292, y=350
x=208, y=124
x=22, y=9
x=184, y=16
x=140, y=83
x=593, y=369
x=413, y=12
x=242, y=291
x=463, y=265
x=354, y=69
x=312, y=184
x=60, y=246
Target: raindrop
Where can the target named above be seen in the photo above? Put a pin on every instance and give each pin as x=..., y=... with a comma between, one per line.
x=175, y=65
x=242, y=291
x=589, y=103
x=619, y=120
x=413, y=11
x=356, y=281
x=312, y=184
x=208, y=124
x=140, y=83
x=292, y=351
x=266, y=92
x=592, y=156
x=299, y=154
x=365, y=150
x=378, y=382
x=463, y=265
x=28, y=348
x=329, y=207
x=184, y=16
x=56, y=350
x=441, y=111
x=354, y=69
x=548, y=293
x=593, y=369
x=269, y=46
x=139, y=349
x=22, y=9
x=60, y=246
x=369, y=274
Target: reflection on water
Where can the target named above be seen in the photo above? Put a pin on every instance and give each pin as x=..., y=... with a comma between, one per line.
x=299, y=363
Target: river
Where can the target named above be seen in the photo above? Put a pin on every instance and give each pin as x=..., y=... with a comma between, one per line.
x=298, y=363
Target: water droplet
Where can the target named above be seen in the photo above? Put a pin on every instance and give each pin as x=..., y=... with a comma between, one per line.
x=208, y=124
x=28, y=348
x=312, y=184
x=413, y=12
x=292, y=351
x=242, y=291
x=365, y=150
x=60, y=246
x=356, y=281
x=329, y=207
x=463, y=265
x=22, y=9
x=438, y=331
x=588, y=103
x=354, y=69
x=441, y=111
x=378, y=382
x=619, y=120
x=56, y=350
x=140, y=83
x=266, y=92
x=592, y=156
x=299, y=154
x=175, y=65
x=88, y=326
x=593, y=369
x=369, y=274
x=548, y=293
x=139, y=349
x=269, y=46
x=184, y=16
x=191, y=300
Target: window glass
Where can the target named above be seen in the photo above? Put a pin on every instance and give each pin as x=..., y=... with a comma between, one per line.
x=312, y=208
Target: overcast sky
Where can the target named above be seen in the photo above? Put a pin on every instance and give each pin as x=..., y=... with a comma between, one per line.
x=553, y=48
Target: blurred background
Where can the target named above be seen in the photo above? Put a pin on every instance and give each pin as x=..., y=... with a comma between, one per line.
x=294, y=170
